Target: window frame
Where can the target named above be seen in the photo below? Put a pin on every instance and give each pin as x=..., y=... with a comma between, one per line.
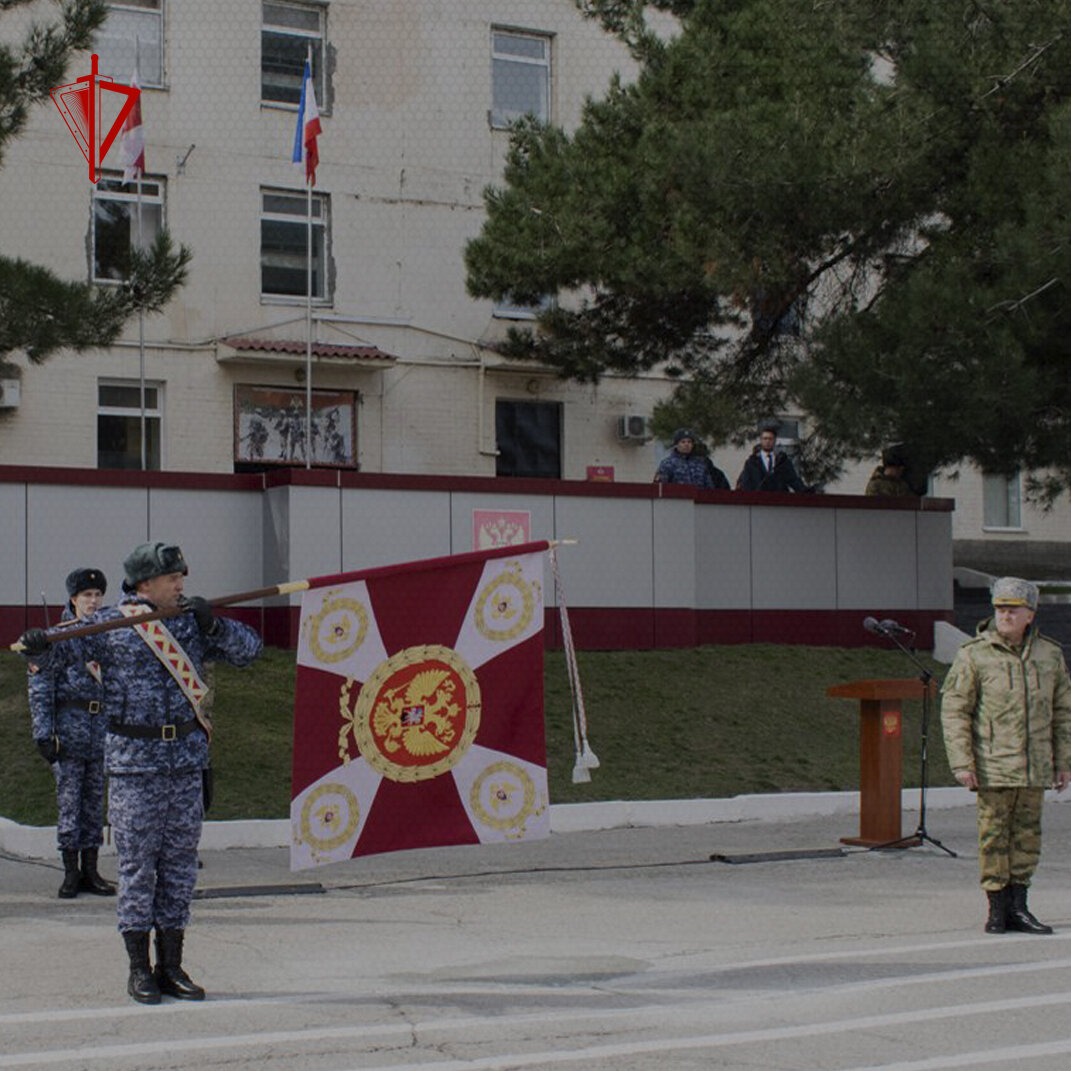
x=326, y=297
x=129, y=196
x=152, y=413
x=1011, y=505
x=318, y=39
x=495, y=120
x=508, y=309
x=150, y=9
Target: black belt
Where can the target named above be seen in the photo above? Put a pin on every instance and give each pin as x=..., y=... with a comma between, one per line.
x=154, y=732
x=90, y=706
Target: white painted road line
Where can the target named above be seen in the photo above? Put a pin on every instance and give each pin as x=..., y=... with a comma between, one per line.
x=190, y=1045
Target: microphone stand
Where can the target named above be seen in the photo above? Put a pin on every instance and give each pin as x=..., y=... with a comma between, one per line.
x=921, y=835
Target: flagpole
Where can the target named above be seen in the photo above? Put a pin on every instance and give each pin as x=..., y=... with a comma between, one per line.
x=141, y=310
x=308, y=300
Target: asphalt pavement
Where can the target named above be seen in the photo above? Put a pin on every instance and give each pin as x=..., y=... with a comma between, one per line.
x=622, y=948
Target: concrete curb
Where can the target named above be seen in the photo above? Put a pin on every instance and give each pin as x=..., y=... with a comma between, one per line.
x=39, y=842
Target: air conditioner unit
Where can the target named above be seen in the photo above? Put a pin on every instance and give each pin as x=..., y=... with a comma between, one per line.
x=9, y=393
x=633, y=429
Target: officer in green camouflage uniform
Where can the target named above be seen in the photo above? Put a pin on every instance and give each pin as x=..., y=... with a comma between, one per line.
x=888, y=478
x=1006, y=714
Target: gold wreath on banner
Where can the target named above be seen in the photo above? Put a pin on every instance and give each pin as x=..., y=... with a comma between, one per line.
x=334, y=810
x=415, y=716
x=510, y=798
x=338, y=629
x=506, y=604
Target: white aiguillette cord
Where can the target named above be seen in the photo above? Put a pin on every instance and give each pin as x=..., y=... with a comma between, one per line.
x=586, y=760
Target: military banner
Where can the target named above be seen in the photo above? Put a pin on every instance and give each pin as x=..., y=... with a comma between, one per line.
x=418, y=712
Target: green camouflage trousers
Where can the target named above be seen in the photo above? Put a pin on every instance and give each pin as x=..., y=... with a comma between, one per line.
x=1009, y=835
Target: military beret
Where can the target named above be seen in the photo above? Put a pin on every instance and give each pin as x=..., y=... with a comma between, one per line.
x=147, y=560
x=683, y=433
x=84, y=579
x=1014, y=591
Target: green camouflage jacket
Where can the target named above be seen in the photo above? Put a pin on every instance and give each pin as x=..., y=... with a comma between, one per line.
x=1006, y=713
x=894, y=487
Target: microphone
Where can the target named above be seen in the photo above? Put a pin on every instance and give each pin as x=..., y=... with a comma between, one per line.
x=888, y=625
x=872, y=624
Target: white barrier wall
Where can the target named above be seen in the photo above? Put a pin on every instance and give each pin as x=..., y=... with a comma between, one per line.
x=653, y=566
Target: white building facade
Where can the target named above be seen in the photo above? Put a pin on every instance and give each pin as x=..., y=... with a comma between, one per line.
x=415, y=99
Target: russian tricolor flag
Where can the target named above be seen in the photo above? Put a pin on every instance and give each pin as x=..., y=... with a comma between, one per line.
x=308, y=128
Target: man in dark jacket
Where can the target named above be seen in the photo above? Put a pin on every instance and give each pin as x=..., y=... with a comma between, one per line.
x=770, y=469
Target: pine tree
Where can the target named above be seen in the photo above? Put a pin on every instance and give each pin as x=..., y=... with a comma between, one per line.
x=860, y=208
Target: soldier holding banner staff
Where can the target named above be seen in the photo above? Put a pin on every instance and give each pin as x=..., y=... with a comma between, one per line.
x=157, y=750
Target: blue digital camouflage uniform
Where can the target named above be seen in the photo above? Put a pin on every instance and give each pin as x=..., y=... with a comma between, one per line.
x=676, y=467
x=65, y=695
x=155, y=803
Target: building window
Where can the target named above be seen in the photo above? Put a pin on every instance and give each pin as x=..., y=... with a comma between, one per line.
x=119, y=424
x=284, y=226
x=132, y=39
x=520, y=77
x=508, y=309
x=529, y=439
x=1001, y=501
x=119, y=224
x=288, y=33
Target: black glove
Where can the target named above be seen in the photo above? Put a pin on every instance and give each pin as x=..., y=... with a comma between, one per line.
x=202, y=614
x=208, y=788
x=34, y=641
x=49, y=748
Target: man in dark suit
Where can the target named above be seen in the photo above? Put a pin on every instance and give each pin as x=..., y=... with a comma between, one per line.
x=770, y=469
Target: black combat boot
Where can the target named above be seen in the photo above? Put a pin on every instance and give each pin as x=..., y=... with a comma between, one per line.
x=142, y=983
x=170, y=976
x=998, y=911
x=91, y=881
x=72, y=878
x=1019, y=918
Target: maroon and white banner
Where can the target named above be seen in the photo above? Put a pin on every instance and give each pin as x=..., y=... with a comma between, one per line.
x=418, y=712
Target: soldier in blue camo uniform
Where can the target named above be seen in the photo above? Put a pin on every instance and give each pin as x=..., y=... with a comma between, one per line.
x=156, y=751
x=68, y=728
x=683, y=465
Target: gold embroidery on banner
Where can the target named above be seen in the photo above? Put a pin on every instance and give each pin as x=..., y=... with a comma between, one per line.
x=504, y=798
x=415, y=716
x=506, y=605
x=336, y=820
x=347, y=626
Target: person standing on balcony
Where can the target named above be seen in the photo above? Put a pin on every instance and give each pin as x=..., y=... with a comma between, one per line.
x=770, y=469
x=683, y=465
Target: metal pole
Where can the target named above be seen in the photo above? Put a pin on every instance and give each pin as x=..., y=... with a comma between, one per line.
x=308, y=294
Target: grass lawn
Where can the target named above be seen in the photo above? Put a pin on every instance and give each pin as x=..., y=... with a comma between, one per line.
x=673, y=724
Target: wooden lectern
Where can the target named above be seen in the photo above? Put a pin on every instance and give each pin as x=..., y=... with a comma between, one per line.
x=880, y=758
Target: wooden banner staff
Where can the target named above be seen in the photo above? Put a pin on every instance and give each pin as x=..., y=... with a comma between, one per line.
x=289, y=588
x=155, y=615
